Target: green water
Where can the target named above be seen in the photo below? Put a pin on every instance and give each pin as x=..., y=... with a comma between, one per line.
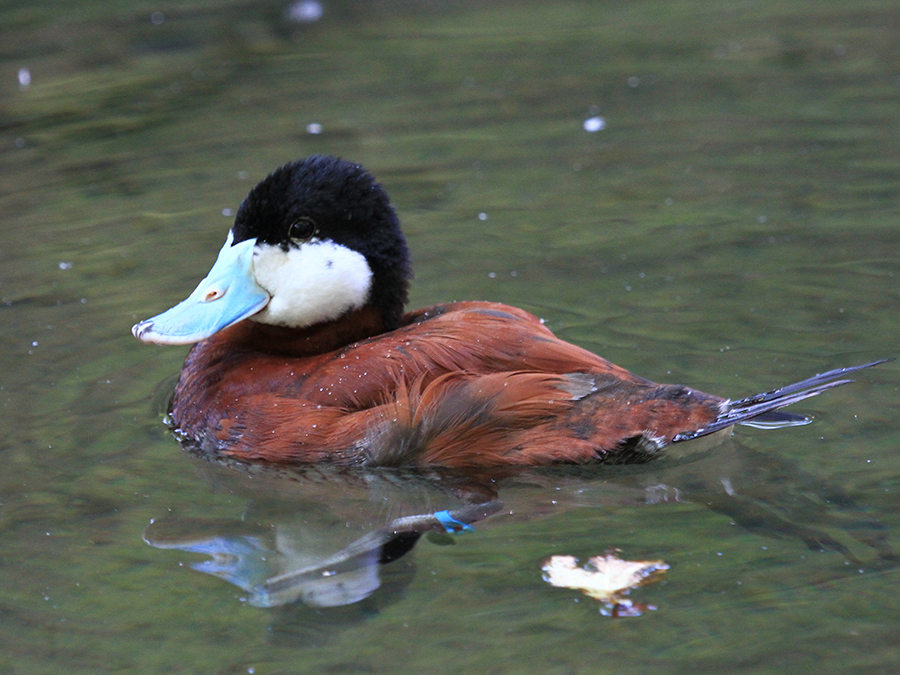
x=733, y=227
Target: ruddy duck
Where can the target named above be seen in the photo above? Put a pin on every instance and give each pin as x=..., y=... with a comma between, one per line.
x=305, y=354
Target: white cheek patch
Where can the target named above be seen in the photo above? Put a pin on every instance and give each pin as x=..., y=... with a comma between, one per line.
x=319, y=281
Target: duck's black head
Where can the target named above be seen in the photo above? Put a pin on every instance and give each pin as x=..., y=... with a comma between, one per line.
x=321, y=202
x=313, y=241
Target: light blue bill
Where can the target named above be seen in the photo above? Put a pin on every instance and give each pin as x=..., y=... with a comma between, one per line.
x=227, y=295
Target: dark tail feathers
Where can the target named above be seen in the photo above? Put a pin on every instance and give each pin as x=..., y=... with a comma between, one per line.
x=761, y=410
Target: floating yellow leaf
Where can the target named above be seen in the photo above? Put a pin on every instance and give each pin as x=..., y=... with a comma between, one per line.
x=604, y=577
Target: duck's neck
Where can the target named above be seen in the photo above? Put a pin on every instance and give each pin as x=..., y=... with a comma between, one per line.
x=321, y=338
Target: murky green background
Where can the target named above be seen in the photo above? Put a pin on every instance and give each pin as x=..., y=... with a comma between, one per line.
x=733, y=227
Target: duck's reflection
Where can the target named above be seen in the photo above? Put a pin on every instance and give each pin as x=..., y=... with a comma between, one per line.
x=321, y=536
x=286, y=564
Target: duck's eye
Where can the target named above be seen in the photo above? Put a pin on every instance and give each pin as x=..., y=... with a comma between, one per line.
x=302, y=229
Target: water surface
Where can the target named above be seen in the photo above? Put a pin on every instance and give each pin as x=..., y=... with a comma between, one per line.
x=732, y=227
